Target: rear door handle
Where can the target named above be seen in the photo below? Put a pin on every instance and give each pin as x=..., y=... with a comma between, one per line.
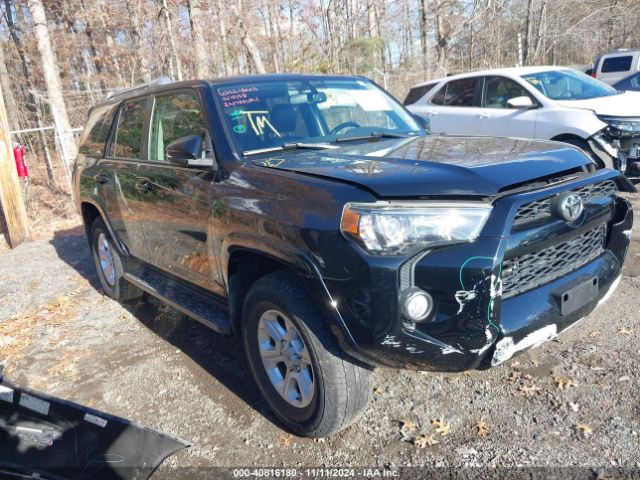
x=100, y=178
x=484, y=115
x=144, y=186
x=432, y=114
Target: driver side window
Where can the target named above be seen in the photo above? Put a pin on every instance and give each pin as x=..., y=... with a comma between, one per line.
x=174, y=116
x=498, y=91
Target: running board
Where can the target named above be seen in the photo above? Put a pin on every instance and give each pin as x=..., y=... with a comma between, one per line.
x=198, y=305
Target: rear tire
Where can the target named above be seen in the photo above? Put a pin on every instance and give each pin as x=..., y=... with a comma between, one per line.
x=314, y=387
x=109, y=264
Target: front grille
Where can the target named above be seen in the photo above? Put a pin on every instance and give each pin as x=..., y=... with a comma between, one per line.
x=541, y=209
x=529, y=271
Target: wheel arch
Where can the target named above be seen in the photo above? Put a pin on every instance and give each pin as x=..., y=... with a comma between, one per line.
x=563, y=137
x=245, y=264
x=90, y=211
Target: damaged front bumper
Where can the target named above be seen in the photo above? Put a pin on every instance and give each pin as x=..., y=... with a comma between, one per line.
x=481, y=315
x=622, y=150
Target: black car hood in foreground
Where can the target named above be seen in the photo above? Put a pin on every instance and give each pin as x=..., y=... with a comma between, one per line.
x=48, y=438
x=434, y=165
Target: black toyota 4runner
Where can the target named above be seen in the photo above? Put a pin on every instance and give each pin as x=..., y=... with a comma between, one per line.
x=339, y=235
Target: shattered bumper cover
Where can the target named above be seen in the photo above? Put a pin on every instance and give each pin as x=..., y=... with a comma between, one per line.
x=48, y=438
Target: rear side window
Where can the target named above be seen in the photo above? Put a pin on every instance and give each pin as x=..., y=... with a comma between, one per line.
x=127, y=140
x=457, y=93
x=416, y=93
x=96, y=131
x=616, y=64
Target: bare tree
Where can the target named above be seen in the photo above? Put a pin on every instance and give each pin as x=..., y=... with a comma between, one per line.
x=200, y=46
x=133, y=11
x=250, y=46
x=49, y=64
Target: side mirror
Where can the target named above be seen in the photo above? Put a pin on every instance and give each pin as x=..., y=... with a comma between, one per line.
x=188, y=152
x=423, y=122
x=522, y=102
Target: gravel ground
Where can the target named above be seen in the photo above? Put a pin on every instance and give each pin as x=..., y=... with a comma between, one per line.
x=572, y=402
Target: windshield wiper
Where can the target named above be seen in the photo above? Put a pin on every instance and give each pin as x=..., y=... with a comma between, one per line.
x=373, y=136
x=289, y=146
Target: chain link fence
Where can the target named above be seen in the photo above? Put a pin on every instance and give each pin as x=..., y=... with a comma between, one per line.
x=46, y=157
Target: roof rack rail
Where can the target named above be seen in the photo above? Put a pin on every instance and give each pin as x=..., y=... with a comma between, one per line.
x=142, y=86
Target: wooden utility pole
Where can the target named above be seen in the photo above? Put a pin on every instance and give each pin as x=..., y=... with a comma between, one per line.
x=12, y=210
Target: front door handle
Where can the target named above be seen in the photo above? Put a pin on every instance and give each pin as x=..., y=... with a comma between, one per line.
x=100, y=178
x=144, y=186
x=484, y=115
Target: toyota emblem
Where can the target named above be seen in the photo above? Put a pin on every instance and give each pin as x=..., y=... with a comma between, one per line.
x=568, y=206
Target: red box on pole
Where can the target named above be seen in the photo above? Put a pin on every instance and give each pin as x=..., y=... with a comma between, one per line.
x=21, y=164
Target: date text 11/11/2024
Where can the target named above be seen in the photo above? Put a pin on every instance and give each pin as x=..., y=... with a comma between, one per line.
x=321, y=472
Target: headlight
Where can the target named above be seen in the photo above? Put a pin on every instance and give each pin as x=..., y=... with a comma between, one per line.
x=395, y=229
x=630, y=125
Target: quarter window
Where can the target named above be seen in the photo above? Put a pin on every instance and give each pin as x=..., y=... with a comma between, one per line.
x=174, y=116
x=616, y=64
x=96, y=131
x=457, y=93
x=499, y=90
x=416, y=93
x=128, y=137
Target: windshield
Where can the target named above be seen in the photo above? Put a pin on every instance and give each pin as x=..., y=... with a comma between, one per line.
x=271, y=113
x=568, y=85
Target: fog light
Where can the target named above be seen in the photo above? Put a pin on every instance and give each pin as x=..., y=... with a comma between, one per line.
x=416, y=304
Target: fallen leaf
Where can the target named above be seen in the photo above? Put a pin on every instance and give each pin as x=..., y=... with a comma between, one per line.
x=514, y=377
x=595, y=333
x=423, y=440
x=467, y=373
x=407, y=426
x=514, y=364
x=624, y=331
x=482, y=428
x=440, y=426
x=624, y=378
x=574, y=406
x=528, y=390
x=584, y=428
x=285, y=441
x=378, y=391
x=564, y=382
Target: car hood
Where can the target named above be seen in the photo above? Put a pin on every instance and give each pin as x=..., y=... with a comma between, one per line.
x=622, y=105
x=434, y=165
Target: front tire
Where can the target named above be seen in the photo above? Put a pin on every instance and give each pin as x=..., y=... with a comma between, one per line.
x=109, y=264
x=307, y=380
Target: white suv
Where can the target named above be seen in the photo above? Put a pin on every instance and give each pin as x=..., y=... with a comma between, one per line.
x=548, y=103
